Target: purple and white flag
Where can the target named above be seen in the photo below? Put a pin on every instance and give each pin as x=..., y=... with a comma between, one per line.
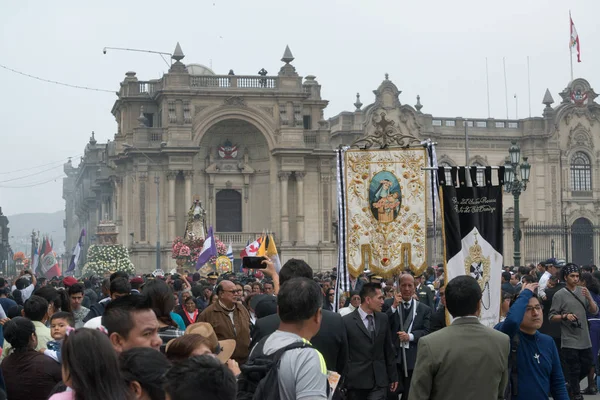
x=76, y=252
x=209, y=250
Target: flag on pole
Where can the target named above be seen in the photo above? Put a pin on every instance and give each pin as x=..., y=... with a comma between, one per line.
x=49, y=262
x=251, y=249
x=230, y=252
x=574, y=41
x=76, y=252
x=42, y=251
x=209, y=250
x=268, y=249
x=35, y=259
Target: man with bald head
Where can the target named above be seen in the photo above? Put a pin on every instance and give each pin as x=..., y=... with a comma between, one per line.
x=416, y=318
x=229, y=319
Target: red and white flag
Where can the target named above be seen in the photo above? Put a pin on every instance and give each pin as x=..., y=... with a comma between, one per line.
x=49, y=263
x=574, y=41
x=251, y=249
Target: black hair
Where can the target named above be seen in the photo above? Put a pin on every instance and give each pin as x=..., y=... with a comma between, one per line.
x=147, y=367
x=87, y=284
x=463, y=295
x=591, y=283
x=117, y=315
x=201, y=377
x=299, y=299
x=18, y=332
x=97, y=380
x=295, y=268
x=369, y=290
x=161, y=298
x=506, y=276
x=17, y=297
x=57, y=298
x=120, y=285
x=596, y=274
x=22, y=283
x=64, y=315
x=76, y=288
x=524, y=271
x=527, y=279
x=35, y=308
x=14, y=311
x=118, y=274
x=177, y=285
x=587, y=268
x=197, y=290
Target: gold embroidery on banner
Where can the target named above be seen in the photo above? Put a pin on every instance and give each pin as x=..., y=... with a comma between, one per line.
x=477, y=265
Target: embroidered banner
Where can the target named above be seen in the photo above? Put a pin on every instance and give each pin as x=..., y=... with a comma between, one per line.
x=386, y=210
x=472, y=231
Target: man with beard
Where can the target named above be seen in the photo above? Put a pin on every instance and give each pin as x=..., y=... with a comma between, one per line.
x=534, y=361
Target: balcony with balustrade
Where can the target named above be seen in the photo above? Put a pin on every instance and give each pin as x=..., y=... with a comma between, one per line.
x=240, y=239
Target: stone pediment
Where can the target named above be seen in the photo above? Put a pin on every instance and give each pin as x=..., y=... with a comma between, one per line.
x=580, y=136
x=230, y=167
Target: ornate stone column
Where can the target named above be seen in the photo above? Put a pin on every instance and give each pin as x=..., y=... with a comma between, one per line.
x=300, y=208
x=285, y=222
x=188, y=175
x=171, y=176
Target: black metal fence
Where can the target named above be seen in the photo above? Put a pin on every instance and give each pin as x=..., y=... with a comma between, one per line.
x=576, y=243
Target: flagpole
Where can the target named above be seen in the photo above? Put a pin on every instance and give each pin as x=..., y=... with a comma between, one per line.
x=571, y=59
x=570, y=43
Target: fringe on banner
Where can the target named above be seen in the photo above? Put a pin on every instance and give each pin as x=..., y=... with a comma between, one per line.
x=343, y=278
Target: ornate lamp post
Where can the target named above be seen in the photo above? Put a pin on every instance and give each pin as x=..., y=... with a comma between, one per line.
x=514, y=185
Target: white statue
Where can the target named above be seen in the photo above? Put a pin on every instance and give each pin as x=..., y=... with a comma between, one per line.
x=195, y=227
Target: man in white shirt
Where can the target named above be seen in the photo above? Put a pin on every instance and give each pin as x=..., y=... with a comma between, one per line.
x=551, y=270
x=354, y=303
x=25, y=285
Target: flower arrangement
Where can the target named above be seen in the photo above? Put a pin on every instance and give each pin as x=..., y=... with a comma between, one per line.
x=186, y=252
x=107, y=259
x=19, y=256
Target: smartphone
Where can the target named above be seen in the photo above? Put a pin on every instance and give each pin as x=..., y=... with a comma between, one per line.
x=253, y=262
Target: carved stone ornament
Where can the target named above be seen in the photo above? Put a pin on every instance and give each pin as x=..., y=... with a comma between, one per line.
x=590, y=112
x=389, y=134
x=579, y=136
x=235, y=101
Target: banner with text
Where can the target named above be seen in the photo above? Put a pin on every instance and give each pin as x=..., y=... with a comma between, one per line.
x=473, y=236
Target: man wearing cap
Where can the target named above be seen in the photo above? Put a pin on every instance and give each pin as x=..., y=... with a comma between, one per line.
x=569, y=307
x=69, y=281
x=550, y=270
x=212, y=279
x=136, y=283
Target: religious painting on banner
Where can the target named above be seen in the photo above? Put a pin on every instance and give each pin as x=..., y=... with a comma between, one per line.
x=386, y=210
x=473, y=234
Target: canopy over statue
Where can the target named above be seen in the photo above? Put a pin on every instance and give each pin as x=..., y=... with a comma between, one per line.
x=195, y=227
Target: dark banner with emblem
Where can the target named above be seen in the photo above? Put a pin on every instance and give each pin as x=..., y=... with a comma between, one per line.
x=473, y=231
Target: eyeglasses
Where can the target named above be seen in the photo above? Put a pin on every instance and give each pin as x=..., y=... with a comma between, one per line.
x=536, y=308
x=234, y=291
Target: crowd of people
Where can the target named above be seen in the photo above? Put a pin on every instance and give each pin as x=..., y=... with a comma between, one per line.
x=289, y=335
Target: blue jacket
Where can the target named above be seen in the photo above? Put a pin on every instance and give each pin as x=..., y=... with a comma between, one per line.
x=537, y=376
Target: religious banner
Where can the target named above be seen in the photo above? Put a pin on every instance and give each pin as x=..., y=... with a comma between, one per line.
x=385, y=210
x=472, y=232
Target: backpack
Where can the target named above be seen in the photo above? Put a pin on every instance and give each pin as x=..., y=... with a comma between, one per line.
x=260, y=375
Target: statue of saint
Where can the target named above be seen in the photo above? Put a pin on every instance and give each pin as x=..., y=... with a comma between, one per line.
x=195, y=227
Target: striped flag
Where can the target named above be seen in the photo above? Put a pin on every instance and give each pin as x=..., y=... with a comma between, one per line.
x=209, y=250
x=574, y=41
x=35, y=260
x=76, y=252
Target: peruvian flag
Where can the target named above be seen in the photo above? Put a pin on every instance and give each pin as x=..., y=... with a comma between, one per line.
x=574, y=41
x=251, y=249
x=49, y=263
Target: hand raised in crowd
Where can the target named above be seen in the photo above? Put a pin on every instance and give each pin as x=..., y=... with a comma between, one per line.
x=233, y=367
x=269, y=267
x=530, y=286
x=585, y=292
x=397, y=299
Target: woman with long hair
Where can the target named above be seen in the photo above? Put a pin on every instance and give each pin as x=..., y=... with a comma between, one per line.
x=28, y=374
x=98, y=378
x=593, y=286
x=163, y=303
x=58, y=300
x=144, y=371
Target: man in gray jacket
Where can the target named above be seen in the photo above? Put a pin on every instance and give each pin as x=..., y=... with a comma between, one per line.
x=465, y=360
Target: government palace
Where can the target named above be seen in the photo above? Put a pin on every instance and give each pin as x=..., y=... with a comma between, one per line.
x=259, y=153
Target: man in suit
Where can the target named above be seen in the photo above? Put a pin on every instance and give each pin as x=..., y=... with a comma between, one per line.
x=438, y=318
x=331, y=339
x=371, y=365
x=465, y=360
x=415, y=324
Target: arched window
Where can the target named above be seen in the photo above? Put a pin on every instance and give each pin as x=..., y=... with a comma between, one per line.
x=480, y=174
x=581, y=172
x=447, y=172
x=229, y=211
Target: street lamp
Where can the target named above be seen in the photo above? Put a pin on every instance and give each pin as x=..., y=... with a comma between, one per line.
x=157, y=181
x=515, y=184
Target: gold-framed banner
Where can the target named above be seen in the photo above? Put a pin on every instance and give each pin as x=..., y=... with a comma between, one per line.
x=385, y=197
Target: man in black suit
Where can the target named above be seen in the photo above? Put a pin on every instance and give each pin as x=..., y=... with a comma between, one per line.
x=438, y=318
x=371, y=369
x=331, y=340
x=416, y=319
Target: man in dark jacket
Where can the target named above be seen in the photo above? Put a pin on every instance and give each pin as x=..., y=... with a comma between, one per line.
x=331, y=339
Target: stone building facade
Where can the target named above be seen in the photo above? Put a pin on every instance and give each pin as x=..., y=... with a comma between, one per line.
x=259, y=154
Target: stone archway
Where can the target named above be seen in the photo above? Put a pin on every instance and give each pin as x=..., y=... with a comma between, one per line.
x=582, y=241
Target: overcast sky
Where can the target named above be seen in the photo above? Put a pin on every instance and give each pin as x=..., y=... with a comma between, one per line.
x=434, y=48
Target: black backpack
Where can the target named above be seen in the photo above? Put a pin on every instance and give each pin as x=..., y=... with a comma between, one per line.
x=260, y=375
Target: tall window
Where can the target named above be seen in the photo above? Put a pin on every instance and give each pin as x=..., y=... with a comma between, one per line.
x=581, y=172
x=229, y=211
x=480, y=174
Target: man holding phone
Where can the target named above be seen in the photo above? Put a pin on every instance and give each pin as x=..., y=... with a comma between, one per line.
x=266, y=265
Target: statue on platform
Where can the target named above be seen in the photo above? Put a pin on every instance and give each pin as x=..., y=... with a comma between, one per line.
x=195, y=227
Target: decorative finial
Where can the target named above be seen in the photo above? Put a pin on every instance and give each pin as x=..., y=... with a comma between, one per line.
x=93, y=138
x=287, y=55
x=142, y=118
x=263, y=72
x=178, y=54
x=418, y=106
x=358, y=103
x=387, y=76
x=548, y=100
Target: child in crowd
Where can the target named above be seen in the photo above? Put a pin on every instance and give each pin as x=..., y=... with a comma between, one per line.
x=60, y=323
